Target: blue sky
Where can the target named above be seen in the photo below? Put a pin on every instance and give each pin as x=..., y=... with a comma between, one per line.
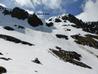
x=75, y=7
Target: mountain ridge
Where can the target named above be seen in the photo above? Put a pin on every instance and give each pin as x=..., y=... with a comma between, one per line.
x=62, y=44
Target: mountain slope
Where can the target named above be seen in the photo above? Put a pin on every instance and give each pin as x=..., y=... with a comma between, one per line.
x=58, y=46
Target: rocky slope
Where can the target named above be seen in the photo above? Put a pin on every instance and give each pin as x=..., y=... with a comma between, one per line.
x=59, y=45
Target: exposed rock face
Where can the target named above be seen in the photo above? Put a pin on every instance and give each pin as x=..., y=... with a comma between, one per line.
x=91, y=27
x=36, y=60
x=50, y=24
x=57, y=20
x=6, y=59
x=19, y=13
x=7, y=12
x=2, y=70
x=34, y=21
x=62, y=36
x=15, y=40
x=87, y=40
x=50, y=19
x=1, y=53
x=71, y=57
x=8, y=28
x=71, y=18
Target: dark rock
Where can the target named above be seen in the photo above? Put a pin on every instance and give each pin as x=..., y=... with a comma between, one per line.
x=74, y=20
x=15, y=40
x=49, y=24
x=36, y=71
x=67, y=29
x=2, y=70
x=62, y=36
x=2, y=8
x=37, y=61
x=1, y=53
x=6, y=12
x=64, y=18
x=6, y=59
x=87, y=40
x=8, y=28
x=26, y=43
x=57, y=20
x=78, y=63
x=19, y=26
x=75, y=55
x=34, y=21
x=70, y=56
x=78, y=23
x=91, y=36
x=59, y=48
x=91, y=27
x=50, y=19
x=67, y=55
x=19, y=13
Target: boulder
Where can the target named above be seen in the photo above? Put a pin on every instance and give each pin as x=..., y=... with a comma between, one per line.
x=2, y=70
x=34, y=21
x=19, y=13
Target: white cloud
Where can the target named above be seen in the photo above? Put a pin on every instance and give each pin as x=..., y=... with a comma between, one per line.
x=23, y=3
x=54, y=7
x=53, y=4
x=90, y=11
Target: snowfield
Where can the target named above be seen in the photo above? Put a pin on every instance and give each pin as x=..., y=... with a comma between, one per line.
x=44, y=38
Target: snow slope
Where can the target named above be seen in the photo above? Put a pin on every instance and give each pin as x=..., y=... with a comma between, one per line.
x=43, y=38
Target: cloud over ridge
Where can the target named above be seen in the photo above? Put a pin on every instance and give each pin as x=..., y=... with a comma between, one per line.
x=90, y=11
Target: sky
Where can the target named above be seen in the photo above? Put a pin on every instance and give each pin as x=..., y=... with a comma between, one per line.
x=90, y=11
x=78, y=8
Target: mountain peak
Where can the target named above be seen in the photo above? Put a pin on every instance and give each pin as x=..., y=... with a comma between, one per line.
x=30, y=45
